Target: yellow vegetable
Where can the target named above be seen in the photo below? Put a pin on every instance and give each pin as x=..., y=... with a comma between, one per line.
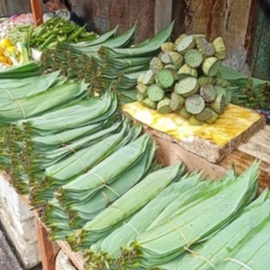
x=12, y=50
x=5, y=43
x=1, y=52
x=9, y=61
x=3, y=59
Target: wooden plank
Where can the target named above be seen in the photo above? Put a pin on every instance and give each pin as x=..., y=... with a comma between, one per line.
x=169, y=152
x=45, y=247
x=208, y=19
x=75, y=257
x=17, y=7
x=251, y=29
x=242, y=161
x=236, y=24
x=37, y=12
x=163, y=14
x=258, y=145
x=3, y=8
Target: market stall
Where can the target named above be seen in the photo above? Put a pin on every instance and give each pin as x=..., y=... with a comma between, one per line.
x=135, y=156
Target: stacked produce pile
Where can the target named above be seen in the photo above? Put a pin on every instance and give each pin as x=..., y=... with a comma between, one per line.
x=184, y=79
x=58, y=29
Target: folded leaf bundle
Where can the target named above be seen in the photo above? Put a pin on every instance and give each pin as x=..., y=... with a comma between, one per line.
x=26, y=107
x=128, y=204
x=170, y=238
x=86, y=185
x=86, y=112
x=109, y=251
x=215, y=250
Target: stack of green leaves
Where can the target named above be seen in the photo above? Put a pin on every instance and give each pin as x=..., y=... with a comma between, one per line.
x=188, y=191
x=230, y=239
x=252, y=252
x=187, y=226
x=111, y=59
x=48, y=139
x=184, y=79
x=106, y=252
x=16, y=93
x=81, y=61
x=77, y=208
x=79, y=161
x=30, y=69
x=125, y=206
x=56, y=220
x=25, y=106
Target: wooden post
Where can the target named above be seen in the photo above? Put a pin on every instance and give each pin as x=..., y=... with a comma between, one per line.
x=163, y=14
x=45, y=247
x=37, y=12
x=251, y=29
x=3, y=6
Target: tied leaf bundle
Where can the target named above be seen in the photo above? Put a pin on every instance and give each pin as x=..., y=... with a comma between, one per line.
x=252, y=251
x=35, y=144
x=128, y=204
x=108, y=250
x=185, y=79
x=26, y=107
x=184, y=228
x=79, y=157
x=216, y=251
x=21, y=71
x=88, y=206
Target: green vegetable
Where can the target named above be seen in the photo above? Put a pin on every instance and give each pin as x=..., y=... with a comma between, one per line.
x=155, y=93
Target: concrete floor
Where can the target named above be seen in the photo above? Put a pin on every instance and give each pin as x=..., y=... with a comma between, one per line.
x=8, y=259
